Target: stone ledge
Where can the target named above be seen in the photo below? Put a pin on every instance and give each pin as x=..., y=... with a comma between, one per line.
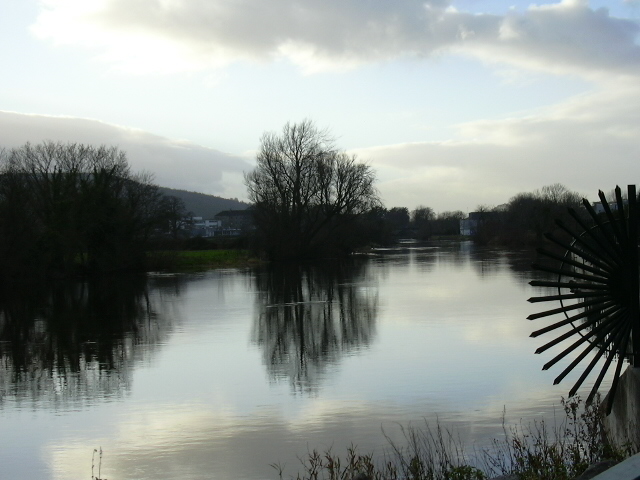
x=628, y=469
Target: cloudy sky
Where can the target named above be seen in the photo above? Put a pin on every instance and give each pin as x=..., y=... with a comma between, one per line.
x=454, y=103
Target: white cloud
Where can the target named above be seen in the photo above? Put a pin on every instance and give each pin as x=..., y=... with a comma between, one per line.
x=177, y=35
x=174, y=163
x=568, y=37
x=587, y=143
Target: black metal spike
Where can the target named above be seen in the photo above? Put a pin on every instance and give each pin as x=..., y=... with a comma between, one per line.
x=570, y=285
x=581, y=239
x=564, y=309
x=602, y=351
x=564, y=336
x=608, y=248
x=616, y=377
x=621, y=338
x=596, y=336
x=601, y=226
x=609, y=309
x=570, y=296
x=569, y=273
x=599, y=272
x=569, y=261
x=618, y=236
x=623, y=226
x=581, y=253
x=584, y=353
x=592, y=344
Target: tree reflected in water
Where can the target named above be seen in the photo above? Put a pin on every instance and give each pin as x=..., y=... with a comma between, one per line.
x=73, y=342
x=309, y=316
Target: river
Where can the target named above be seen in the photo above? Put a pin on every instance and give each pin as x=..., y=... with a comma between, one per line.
x=222, y=373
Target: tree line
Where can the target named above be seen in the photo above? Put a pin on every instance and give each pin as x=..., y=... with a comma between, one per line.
x=67, y=209
x=308, y=196
x=522, y=221
x=312, y=200
x=527, y=217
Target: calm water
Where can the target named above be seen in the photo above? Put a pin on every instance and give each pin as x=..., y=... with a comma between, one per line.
x=218, y=375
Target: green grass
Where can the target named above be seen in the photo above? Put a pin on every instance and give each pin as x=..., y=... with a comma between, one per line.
x=197, y=260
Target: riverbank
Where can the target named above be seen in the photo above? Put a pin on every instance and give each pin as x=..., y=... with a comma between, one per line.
x=576, y=449
x=199, y=260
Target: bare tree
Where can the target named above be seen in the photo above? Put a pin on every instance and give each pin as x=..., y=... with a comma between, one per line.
x=176, y=217
x=421, y=214
x=448, y=223
x=531, y=215
x=304, y=190
x=398, y=219
x=558, y=194
x=422, y=221
x=65, y=207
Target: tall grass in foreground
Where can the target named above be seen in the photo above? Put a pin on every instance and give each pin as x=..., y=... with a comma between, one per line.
x=536, y=451
x=93, y=464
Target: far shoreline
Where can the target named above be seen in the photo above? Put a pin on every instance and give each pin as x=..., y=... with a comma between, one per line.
x=187, y=261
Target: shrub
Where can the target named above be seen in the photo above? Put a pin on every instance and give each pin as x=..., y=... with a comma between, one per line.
x=531, y=452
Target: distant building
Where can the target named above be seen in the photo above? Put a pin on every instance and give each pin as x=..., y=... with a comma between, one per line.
x=469, y=226
x=236, y=219
x=204, y=228
x=597, y=206
x=226, y=223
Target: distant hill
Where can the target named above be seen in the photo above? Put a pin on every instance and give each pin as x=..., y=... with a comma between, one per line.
x=205, y=206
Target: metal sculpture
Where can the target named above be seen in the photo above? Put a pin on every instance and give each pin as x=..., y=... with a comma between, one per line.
x=598, y=290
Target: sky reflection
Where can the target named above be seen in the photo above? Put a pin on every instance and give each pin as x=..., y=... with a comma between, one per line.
x=249, y=368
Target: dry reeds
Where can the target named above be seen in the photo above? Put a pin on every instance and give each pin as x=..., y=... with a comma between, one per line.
x=537, y=451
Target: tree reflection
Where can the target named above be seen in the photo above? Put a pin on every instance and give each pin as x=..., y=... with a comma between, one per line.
x=74, y=341
x=520, y=263
x=486, y=261
x=309, y=316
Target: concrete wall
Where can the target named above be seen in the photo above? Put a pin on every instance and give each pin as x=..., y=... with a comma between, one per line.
x=624, y=420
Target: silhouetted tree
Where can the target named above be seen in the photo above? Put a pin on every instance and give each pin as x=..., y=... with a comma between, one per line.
x=422, y=214
x=490, y=221
x=306, y=192
x=373, y=229
x=398, y=219
x=70, y=207
x=559, y=195
x=448, y=223
x=175, y=215
x=529, y=215
x=535, y=213
x=421, y=221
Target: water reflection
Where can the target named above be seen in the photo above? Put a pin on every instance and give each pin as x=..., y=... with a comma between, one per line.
x=308, y=316
x=435, y=331
x=425, y=256
x=73, y=342
x=489, y=261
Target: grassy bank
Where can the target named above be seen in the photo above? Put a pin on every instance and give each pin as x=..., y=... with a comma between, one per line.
x=562, y=451
x=198, y=260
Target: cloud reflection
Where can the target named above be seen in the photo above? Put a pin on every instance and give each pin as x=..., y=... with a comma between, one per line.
x=191, y=441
